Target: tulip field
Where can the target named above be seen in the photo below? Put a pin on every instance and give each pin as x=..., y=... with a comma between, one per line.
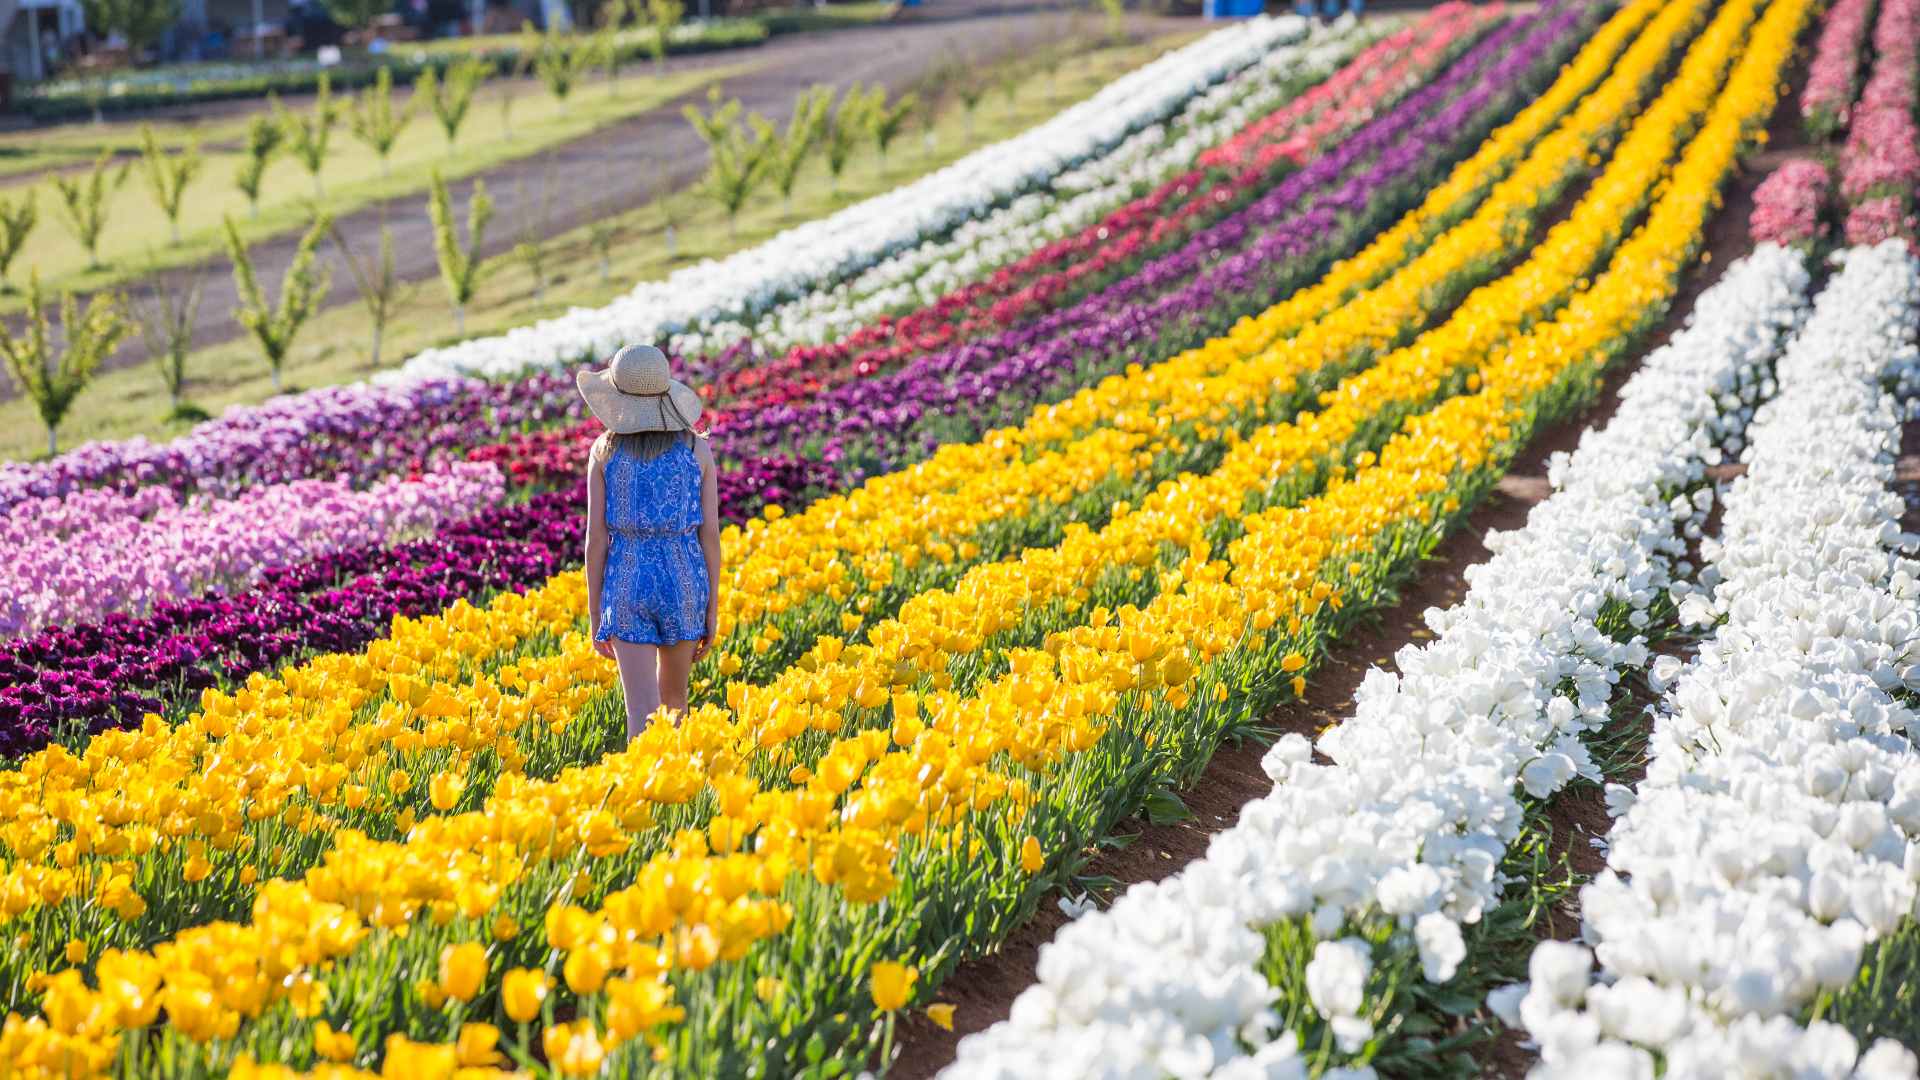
x=1045, y=476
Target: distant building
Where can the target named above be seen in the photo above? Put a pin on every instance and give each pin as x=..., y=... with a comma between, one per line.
x=34, y=35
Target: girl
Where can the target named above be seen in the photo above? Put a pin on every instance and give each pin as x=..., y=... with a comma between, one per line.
x=653, y=530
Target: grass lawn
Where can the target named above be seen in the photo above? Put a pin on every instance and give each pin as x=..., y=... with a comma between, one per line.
x=332, y=349
x=137, y=238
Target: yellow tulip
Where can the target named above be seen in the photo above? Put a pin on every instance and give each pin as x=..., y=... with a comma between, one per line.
x=445, y=789
x=478, y=1046
x=463, y=970
x=521, y=993
x=892, y=984
x=333, y=1045
x=1031, y=859
x=941, y=1014
x=574, y=1049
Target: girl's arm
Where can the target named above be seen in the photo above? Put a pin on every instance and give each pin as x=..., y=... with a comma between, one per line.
x=709, y=539
x=597, y=542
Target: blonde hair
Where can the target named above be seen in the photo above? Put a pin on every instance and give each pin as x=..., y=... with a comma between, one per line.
x=645, y=445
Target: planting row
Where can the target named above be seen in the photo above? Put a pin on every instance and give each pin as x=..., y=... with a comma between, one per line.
x=1776, y=836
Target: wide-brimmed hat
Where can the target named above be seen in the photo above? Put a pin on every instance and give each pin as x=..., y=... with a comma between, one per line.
x=636, y=393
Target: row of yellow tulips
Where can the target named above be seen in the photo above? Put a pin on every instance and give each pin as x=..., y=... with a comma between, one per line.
x=882, y=742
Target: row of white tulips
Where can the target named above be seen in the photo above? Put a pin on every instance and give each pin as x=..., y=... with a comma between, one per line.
x=1422, y=798
x=814, y=254
x=1777, y=832
x=1072, y=201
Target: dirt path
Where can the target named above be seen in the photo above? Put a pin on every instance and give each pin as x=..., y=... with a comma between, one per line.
x=616, y=168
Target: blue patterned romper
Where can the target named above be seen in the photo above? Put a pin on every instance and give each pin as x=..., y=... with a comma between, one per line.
x=655, y=590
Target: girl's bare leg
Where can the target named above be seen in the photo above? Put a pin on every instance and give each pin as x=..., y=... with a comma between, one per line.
x=676, y=666
x=640, y=680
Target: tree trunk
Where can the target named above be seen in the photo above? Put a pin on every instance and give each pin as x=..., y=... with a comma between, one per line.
x=174, y=223
x=373, y=354
x=460, y=319
x=606, y=269
x=53, y=441
x=276, y=376
x=669, y=241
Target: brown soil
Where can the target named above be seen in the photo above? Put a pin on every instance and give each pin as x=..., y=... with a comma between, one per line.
x=1906, y=475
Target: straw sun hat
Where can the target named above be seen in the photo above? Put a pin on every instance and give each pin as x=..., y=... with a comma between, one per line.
x=635, y=393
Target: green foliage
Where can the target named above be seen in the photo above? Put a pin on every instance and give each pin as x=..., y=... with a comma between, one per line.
x=536, y=224
x=52, y=378
x=604, y=48
x=376, y=122
x=141, y=22
x=167, y=175
x=796, y=142
x=266, y=136
x=357, y=14
x=971, y=89
x=379, y=284
x=461, y=267
x=309, y=133
x=932, y=93
x=1115, y=12
x=83, y=200
x=559, y=59
x=1883, y=1000
x=605, y=228
x=885, y=121
x=717, y=125
x=452, y=95
x=845, y=129
x=660, y=18
x=166, y=326
x=17, y=219
x=302, y=288
x=737, y=156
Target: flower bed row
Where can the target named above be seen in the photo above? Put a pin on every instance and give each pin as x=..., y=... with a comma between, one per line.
x=1067, y=269
x=1833, y=75
x=1070, y=202
x=242, y=447
x=1777, y=832
x=67, y=682
x=1396, y=840
x=801, y=258
x=1168, y=303
x=1880, y=163
x=82, y=558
